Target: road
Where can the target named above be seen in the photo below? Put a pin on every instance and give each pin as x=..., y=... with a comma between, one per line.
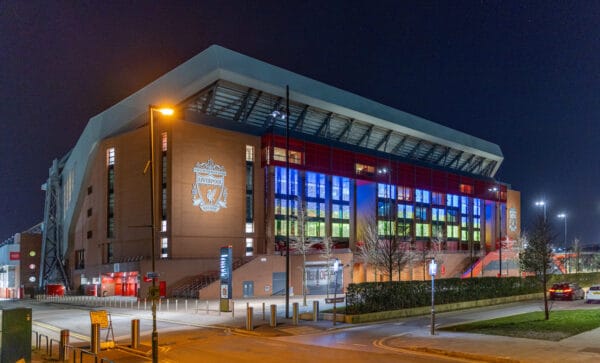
x=208, y=339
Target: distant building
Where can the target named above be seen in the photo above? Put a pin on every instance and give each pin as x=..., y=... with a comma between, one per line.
x=221, y=179
x=19, y=263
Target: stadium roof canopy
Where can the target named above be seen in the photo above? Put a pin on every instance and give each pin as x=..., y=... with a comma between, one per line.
x=221, y=84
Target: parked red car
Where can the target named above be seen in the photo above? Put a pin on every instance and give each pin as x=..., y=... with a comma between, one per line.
x=566, y=291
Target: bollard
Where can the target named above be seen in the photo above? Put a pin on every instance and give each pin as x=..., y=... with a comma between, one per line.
x=232, y=309
x=176, y=305
x=295, y=313
x=95, y=338
x=316, y=310
x=168, y=305
x=186, y=305
x=64, y=341
x=264, y=316
x=135, y=333
x=273, y=322
x=145, y=301
x=249, y=314
x=206, y=307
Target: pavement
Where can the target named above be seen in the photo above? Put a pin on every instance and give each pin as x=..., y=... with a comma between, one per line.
x=581, y=348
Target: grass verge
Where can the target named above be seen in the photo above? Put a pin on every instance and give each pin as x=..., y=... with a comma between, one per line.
x=562, y=324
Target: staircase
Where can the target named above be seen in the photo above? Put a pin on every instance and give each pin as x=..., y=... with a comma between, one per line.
x=190, y=286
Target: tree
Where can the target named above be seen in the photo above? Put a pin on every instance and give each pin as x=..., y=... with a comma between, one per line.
x=327, y=254
x=537, y=255
x=367, y=251
x=577, y=251
x=302, y=244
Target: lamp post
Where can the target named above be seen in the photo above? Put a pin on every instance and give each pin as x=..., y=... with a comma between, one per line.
x=153, y=290
x=542, y=203
x=564, y=216
x=336, y=266
x=496, y=190
x=432, y=273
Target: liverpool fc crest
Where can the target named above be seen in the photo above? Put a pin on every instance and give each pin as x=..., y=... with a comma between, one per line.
x=209, y=191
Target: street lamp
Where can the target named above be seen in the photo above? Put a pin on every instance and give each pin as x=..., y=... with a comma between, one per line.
x=153, y=290
x=564, y=216
x=542, y=203
x=432, y=273
x=336, y=267
x=498, y=218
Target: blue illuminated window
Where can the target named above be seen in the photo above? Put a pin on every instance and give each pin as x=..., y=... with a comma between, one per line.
x=422, y=196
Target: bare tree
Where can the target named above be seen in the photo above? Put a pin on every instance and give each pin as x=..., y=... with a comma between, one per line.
x=327, y=254
x=577, y=251
x=537, y=255
x=367, y=251
x=301, y=244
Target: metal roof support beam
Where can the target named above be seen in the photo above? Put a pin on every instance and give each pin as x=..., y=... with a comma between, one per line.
x=346, y=130
x=467, y=162
x=444, y=155
x=210, y=99
x=300, y=119
x=366, y=136
x=414, y=150
x=489, y=168
x=428, y=153
x=399, y=145
x=455, y=159
x=324, y=124
x=476, y=165
x=249, y=112
x=384, y=140
x=243, y=105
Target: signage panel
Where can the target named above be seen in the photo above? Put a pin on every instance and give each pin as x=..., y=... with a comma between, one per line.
x=225, y=269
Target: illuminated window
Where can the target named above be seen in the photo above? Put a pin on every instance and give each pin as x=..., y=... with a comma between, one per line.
x=295, y=157
x=477, y=236
x=476, y=207
x=315, y=185
x=164, y=247
x=163, y=225
x=452, y=216
x=340, y=230
x=249, y=246
x=405, y=211
x=386, y=191
x=421, y=214
x=438, y=198
x=249, y=153
x=363, y=169
x=422, y=196
x=340, y=211
x=422, y=230
x=315, y=229
x=385, y=228
x=163, y=141
x=249, y=227
x=438, y=214
x=452, y=200
x=452, y=232
x=477, y=222
x=404, y=229
x=110, y=156
x=340, y=188
x=405, y=193
x=466, y=189
x=464, y=205
x=280, y=181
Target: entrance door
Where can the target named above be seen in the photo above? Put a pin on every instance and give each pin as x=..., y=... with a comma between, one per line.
x=278, y=283
x=248, y=288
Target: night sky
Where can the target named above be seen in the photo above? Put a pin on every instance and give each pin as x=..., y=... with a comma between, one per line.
x=522, y=74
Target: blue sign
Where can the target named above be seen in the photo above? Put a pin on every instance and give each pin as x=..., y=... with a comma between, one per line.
x=226, y=272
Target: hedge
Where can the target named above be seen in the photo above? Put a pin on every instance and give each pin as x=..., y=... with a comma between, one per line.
x=371, y=297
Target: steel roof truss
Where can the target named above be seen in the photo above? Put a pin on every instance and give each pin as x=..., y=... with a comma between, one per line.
x=366, y=136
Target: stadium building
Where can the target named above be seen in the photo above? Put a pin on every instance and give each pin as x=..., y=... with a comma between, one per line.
x=245, y=164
